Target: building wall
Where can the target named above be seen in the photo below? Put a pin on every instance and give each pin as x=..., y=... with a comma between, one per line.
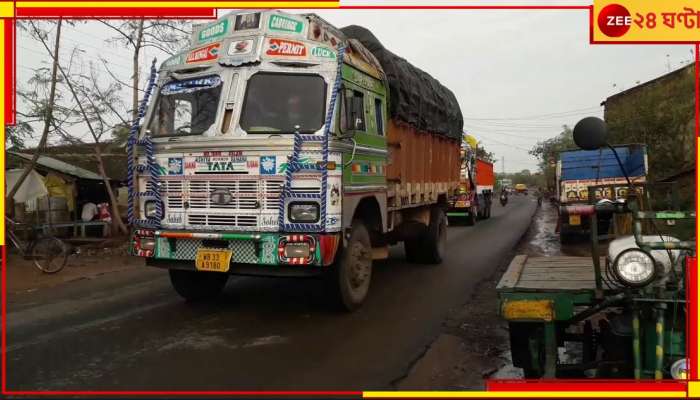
x=661, y=114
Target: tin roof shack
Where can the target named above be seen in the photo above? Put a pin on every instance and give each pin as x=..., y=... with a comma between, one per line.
x=69, y=187
x=660, y=114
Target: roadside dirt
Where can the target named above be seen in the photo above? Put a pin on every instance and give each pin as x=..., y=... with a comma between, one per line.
x=23, y=276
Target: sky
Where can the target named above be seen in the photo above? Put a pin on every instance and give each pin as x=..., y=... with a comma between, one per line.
x=518, y=75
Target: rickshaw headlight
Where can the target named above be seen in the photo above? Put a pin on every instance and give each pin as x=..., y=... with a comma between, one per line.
x=679, y=369
x=634, y=267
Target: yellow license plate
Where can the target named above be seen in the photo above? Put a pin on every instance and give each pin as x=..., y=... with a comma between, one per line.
x=461, y=204
x=574, y=220
x=213, y=260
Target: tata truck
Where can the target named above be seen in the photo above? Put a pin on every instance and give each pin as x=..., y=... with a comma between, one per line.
x=279, y=145
x=578, y=169
x=475, y=193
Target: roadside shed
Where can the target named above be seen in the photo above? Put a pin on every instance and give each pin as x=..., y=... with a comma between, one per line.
x=68, y=189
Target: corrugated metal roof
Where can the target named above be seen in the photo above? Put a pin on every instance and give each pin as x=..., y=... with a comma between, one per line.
x=58, y=165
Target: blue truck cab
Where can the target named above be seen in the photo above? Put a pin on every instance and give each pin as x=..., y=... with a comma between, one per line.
x=577, y=170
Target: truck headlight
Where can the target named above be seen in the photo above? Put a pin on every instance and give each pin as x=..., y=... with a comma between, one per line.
x=679, y=369
x=634, y=267
x=303, y=212
x=150, y=208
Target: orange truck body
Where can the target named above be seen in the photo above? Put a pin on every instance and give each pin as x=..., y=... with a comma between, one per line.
x=484, y=174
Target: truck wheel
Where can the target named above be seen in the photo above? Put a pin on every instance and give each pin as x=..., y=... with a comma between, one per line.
x=566, y=236
x=435, y=242
x=353, y=271
x=526, y=348
x=195, y=285
x=471, y=218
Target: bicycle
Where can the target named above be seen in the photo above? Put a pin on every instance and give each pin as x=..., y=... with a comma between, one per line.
x=48, y=252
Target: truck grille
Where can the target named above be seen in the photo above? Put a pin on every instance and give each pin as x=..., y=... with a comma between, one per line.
x=252, y=198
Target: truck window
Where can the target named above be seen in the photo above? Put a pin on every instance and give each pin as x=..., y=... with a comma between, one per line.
x=353, y=111
x=186, y=107
x=379, y=115
x=276, y=103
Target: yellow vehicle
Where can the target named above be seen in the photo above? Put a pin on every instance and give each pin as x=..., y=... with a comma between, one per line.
x=521, y=188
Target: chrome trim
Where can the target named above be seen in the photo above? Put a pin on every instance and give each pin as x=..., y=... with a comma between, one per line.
x=364, y=188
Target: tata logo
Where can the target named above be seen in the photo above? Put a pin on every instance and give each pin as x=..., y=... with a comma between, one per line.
x=205, y=53
x=281, y=47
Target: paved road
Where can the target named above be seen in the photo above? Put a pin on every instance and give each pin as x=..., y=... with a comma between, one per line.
x=131, y=331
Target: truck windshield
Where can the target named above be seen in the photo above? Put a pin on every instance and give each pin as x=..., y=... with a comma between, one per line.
x=276, y=103
x=186, y=107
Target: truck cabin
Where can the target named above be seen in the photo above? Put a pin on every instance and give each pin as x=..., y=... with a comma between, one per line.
x=263, y=74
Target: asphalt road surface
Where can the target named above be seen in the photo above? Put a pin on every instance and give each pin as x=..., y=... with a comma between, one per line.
x=130, y=331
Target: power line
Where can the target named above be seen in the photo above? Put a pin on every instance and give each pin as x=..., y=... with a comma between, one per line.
x=536, y=116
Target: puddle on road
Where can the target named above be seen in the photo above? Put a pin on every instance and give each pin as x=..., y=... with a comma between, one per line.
x=542, y=240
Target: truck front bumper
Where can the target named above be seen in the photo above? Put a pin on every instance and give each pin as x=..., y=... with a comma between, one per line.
x=253, y=248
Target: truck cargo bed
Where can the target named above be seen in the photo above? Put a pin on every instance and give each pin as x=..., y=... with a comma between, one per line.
x=544, y=274
x=421, y=166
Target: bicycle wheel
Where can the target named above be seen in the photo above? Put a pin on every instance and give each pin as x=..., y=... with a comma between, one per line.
x=50, y=254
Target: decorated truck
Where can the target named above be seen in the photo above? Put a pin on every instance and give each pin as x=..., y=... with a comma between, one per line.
x=579, y=169
x=473, y=198
x=280, y=145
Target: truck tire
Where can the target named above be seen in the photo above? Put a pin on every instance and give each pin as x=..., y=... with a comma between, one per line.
x=566, y=235
x=352, y=272
x=195, y=285
x=430, y=248
x=435, y=242
x=471, y=218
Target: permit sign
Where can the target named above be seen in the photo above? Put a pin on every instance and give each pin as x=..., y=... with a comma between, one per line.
x=206, y=53
x=282, y=47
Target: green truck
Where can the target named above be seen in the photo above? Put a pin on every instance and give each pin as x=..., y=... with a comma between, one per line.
x=280, y=145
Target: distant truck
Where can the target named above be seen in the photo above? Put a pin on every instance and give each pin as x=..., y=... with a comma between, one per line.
x=474, y=197
x=279, y=145
x=579, y=169
x=521, y=188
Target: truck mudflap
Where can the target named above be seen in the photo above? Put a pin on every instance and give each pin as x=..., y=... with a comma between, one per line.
x=246, y=248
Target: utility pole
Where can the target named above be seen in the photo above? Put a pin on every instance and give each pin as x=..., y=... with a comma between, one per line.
x=503, y=165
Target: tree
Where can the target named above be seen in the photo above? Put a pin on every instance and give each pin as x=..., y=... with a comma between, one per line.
x=92, y=115
x=49, y=108
x=166, y=35
x=547, y=152
x=482, y=154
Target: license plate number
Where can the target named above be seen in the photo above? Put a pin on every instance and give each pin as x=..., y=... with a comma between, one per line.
x=213, y=260
x=462, y=204
x=574, y=220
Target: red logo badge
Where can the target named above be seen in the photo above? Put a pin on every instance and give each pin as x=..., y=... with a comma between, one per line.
x=206, y=53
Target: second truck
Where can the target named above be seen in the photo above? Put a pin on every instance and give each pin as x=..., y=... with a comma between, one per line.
x=280, y=145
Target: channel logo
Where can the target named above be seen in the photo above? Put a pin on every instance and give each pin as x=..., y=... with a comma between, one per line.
x=614, y=20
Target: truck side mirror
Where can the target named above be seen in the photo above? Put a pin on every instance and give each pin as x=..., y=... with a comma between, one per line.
x=591, y=133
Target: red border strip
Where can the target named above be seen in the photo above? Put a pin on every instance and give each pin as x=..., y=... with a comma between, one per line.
x=697, y=91
x=194, y=13
x=10, y=73
x=691, y=321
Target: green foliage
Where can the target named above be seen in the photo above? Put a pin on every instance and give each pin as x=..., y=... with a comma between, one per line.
x=661, y=116
x=547, y=153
